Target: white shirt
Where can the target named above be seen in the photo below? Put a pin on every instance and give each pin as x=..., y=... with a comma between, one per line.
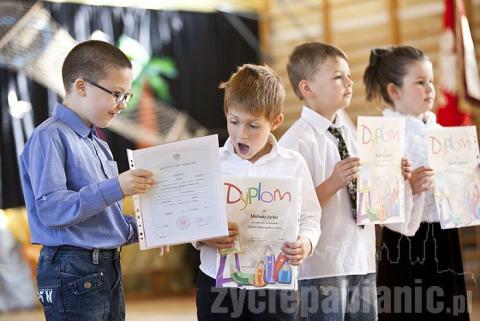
x=421, y=207
x=344, y=248
x=280, y=162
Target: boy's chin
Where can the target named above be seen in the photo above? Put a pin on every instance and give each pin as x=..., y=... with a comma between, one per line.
x=103, y=124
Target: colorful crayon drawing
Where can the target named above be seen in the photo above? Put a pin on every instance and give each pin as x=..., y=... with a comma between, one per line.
x=453, y=155
x=379, y=203
x=266, y=212
x=268, y=270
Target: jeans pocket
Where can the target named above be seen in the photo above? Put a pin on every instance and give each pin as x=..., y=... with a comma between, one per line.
x=86, y=284
x=85, y=298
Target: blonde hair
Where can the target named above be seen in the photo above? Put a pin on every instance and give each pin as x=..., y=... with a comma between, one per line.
x=304, y=61
x=255, y=88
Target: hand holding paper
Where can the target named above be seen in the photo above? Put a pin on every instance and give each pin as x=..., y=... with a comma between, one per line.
x=135, y=181
x=164, y=250
x=344, y=172
x=297, y=251
x=421, y=180
x=225, y=242
x=406, y=169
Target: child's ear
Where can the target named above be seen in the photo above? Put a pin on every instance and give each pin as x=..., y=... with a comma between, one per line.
x=80, y=87
x=305, y=89
x=277, y=121
x=393, y=91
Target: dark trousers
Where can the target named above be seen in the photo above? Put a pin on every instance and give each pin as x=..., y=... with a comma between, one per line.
x=237, y=304
x=421, y=277
x=76, y=284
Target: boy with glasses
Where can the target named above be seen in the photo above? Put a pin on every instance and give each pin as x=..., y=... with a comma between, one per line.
x=73, y=191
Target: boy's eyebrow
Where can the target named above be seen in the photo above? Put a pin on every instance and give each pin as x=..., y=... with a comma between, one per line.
x=342, y=71
x=121, y=89
x=250, y=120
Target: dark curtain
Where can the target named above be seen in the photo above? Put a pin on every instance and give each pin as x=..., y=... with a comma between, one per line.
x=205, y=47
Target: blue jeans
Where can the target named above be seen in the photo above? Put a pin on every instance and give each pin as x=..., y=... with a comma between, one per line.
x=341, y=298
x=75, y=284
x=225, y=304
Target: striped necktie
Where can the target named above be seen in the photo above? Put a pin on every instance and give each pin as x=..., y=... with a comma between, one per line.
x=352, y=186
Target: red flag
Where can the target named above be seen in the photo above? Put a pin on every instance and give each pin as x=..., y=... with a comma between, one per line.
x=471, y=78
x=448, y=113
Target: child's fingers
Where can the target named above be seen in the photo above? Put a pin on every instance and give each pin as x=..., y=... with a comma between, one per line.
x=353, y=161
x=142, y=172
x=426, y=181
x=350, y=177
x=295, y=262
x=423, y=169
x=164, y=250
x=293, y=245
x=290, y=252
x=225, y=239
x=233, y=229
x=222, y=246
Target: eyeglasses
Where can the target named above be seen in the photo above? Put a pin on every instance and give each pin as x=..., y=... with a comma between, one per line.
x=119, y=97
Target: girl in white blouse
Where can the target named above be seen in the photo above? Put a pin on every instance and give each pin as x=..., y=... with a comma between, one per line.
x=420, y=272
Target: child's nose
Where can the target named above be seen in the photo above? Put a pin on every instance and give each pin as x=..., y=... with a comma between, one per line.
x=243, y=131
x=122, y=105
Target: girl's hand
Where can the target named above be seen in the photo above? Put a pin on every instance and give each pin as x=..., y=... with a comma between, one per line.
x=406, y=169
x=421, y=179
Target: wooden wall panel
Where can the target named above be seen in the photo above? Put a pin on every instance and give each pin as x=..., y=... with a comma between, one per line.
x=356, y=26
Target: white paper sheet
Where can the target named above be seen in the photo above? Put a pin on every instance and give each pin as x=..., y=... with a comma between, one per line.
x=267, y=212
x=187, y=201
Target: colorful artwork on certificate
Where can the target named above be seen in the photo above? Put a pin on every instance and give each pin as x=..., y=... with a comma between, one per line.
x=266, y=211
x=454, y=157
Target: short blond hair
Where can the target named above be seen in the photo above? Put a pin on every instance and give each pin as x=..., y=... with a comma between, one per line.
x=257, y=89
x=304, y=60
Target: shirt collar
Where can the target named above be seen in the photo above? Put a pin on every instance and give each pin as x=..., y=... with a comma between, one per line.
x=229, y=149
x=72, y=120
x=429, y=117
x=318, y=122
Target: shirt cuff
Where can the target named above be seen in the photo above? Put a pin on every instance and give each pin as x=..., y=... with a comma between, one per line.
x=197, y=245
x=133, y=236
x=110, y=190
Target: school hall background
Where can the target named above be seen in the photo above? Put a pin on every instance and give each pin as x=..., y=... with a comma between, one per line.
x=191, y=46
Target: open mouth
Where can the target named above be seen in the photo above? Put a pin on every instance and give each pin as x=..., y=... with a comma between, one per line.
x=243, y=148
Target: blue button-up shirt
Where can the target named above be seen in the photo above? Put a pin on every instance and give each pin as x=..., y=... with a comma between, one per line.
x=71, y=187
